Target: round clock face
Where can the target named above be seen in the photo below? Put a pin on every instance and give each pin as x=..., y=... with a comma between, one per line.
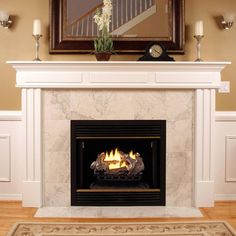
x=155, y=50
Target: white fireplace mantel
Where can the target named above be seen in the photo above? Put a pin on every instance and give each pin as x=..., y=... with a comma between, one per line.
x=202, y=77
x=66, y=74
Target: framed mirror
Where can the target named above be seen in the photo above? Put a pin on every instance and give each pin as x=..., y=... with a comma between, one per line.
x=134, y=25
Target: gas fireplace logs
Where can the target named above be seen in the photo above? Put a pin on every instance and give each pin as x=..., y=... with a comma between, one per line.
x=118, y=166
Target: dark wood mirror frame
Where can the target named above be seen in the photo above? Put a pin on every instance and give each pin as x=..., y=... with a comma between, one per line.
x=58, y=45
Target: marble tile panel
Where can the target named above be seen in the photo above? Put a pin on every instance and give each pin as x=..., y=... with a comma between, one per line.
x=179, y=161
x=57, y=167
x=101, y=104
x=56, y=136
x=179, y=105
x=179, y=136
x=149, y=105
x=56, y=104
x=56, y=194
x=179, y=179
x=179, y=194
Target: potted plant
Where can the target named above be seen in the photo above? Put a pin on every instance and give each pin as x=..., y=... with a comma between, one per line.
x=103, y=45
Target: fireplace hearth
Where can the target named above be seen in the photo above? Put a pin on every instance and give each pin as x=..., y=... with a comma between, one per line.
x=118, y=162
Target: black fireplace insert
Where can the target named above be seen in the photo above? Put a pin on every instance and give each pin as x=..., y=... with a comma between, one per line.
x=118, y=162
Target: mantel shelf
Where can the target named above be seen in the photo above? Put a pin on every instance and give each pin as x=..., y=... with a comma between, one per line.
x=117, y=74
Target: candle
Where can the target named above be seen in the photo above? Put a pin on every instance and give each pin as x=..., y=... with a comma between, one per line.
x=199, y=28
x=36, y=27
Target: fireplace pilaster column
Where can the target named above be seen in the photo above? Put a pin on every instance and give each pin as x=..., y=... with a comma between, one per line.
x=204, y=132
x=31, y=151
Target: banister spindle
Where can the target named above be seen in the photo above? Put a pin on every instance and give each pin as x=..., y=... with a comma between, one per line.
x=117, y=13
x=82, y=27
x=77, y=28
x=121, y=12
x=135, y=8
x=126, y=12
x=145, y=4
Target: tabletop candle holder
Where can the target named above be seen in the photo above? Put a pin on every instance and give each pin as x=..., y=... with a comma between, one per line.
x=198, y=38
x=37, y=37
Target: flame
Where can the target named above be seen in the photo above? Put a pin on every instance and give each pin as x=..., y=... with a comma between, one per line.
x=115, y=158
x=132, y=155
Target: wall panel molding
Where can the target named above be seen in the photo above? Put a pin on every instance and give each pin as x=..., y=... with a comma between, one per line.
x=5, y=160
x=230, y=158
x=10, y=155
x=225, y=155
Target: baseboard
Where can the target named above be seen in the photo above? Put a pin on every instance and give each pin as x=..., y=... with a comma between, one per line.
x=10, y=197
x=10, y=115
x=225, y=197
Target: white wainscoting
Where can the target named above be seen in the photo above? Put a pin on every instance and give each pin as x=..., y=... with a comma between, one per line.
x=225, y=156
x=10, y=155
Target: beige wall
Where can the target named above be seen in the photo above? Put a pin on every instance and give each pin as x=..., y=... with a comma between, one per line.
x=17, y=44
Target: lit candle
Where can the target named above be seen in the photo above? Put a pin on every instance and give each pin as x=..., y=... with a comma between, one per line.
x=37, y=27
x=199, y=28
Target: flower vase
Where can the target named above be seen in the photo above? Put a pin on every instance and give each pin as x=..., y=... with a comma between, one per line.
x=103, y=56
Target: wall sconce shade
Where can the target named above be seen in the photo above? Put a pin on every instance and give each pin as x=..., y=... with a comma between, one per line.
x=5, y=19
x=228, y=20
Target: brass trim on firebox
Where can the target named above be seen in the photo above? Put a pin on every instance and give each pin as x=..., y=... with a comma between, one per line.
x=118, y=190
x=148, y=137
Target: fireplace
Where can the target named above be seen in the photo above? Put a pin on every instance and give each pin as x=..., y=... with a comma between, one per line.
x=54, y=93
x=118, y=162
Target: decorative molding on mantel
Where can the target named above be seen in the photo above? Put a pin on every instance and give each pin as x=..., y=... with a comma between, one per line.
x=203, y=77
x=125, y=74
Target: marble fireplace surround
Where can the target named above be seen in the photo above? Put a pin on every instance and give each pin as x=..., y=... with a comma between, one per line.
x=183, y=93
x=61, y=106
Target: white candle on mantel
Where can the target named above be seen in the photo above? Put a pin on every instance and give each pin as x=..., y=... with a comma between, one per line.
x=199, y=28
x=36, y=27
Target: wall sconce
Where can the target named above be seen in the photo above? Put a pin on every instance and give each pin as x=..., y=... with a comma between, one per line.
x=228, y=20
x=5, y=19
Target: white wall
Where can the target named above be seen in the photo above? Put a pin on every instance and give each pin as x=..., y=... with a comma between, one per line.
x=225, y=155
x=10, y=155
